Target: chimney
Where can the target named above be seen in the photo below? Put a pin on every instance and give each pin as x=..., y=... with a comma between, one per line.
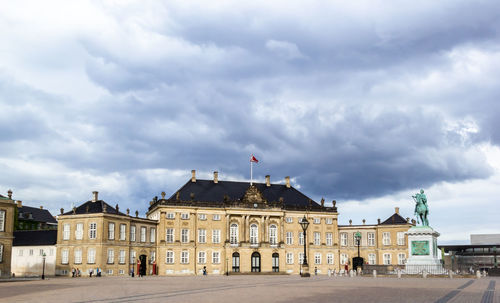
x=378, y=220
x=41, y=206
x=350, y=222
x=322, y=202
x=128, y=211
x=397, y=210
x=216, y=177
x=117, y=208
x=62, y=211
x=193, y=176
x=9, y=194
x=19, y=203
x=95, y=193
x=287, y=181
x=268, y=180
x=136, y=214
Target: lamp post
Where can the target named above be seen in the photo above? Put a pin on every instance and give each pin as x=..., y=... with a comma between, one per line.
x=43, y=265
x=304, y=224
x=357, y=237
x=227, y=266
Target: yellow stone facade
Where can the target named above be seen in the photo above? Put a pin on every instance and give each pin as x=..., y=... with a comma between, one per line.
x=7, y=213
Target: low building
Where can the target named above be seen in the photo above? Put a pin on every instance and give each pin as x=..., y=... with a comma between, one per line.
x=32, y=250
x=7, y=215
x=33, y=218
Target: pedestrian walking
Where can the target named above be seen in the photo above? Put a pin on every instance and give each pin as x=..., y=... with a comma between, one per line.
x=204, y=270
x=73, y=272
x=91, y=272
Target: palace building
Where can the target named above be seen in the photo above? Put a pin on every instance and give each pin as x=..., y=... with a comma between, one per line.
x=220, y=227
x=7, y=215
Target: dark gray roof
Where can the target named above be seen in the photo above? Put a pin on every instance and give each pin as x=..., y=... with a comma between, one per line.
x=208, y=191
x=35, y=237
x=37, y=214
x=394, y=220
x=94, y=208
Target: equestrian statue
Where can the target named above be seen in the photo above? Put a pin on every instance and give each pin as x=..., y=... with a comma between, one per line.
x=421, y=208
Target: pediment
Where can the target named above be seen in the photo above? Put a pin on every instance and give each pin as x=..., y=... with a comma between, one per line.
x=253, y=195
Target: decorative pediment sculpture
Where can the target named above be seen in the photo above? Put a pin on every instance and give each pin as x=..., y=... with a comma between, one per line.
x=253, y=195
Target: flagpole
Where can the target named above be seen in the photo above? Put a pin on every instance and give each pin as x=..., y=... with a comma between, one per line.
x=251, y=176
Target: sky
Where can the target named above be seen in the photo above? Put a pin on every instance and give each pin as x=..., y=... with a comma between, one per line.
x=363, y=103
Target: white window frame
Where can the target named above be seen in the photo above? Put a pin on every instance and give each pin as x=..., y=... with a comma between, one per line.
x=329, y=259
x=184, y=235
x=387, y=259
x=344, y=259
x=133, y=232
x=78, y=256
x=289, y=238
x=372, y=259
x=123, y=232
x=1, y=253
x=184, y=257
x=215, y=257
x=202, y=235
x=401, y=258
x=216, y=217
x=170, y=235
x=202, y=257
x=386, y=238
x=329, y=221
x=216, y=236
x=79, y=231
x=401, y=238
x=371, y=239
x=329, y=239
x=317, y=221
x=289, y=258
x=301, y=258
x=92, y=230
x=289, y=220
x=202, y=217
x=254, y=234
x=111, y=231
x=152, y=235
x=343, y=239
x=301, y=238
x=132, y=256
x=273, y=234
x=233, y=233
x=66, y=231
x=143, y=234
x=122, y=257
x=2, y=220
x=170, y=216
x=184, y=216
x=317, y=238
x=64, y=256
x=317, y=258
x=111, y=256
x=91, y=256
x=170, y=257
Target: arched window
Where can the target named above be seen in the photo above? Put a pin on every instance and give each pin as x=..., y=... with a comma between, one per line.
x=276, y=262
x=233, y=235
x=236, y=262
x=255, y=262
x=273, y=238
x=254, y=234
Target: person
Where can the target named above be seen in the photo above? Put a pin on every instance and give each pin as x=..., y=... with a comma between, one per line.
x=315, y=271
x=346, y=267
x=91, y=272
x=73, y=272
x=204, y=270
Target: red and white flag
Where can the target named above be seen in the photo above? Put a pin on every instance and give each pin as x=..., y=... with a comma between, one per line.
x=253, y=159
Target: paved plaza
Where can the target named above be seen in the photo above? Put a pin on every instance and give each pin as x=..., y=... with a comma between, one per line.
x=252, y=288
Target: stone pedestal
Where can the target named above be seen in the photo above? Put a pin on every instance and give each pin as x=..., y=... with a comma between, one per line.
x=423, y=250
x=305, y=271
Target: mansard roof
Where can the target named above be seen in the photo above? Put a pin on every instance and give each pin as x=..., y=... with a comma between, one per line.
x=37, y=214
x=394, y=220
x=91, y=207
x=218, y=193
x=34, y=237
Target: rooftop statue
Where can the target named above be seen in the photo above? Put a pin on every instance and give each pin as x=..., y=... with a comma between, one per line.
x=421, y=208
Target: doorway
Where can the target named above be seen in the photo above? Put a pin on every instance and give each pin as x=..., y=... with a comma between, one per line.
x=276, y=262
x=142, y=267
x=236, y=262
x=255, y=262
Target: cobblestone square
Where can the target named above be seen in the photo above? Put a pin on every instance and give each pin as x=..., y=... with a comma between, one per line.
x=251, y=288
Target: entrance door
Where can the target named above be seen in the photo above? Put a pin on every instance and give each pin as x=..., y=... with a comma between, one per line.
x=236, y=262
x=276, y=262
x=255, y=262
x=142, y=268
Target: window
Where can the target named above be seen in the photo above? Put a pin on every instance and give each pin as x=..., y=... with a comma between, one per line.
x=329, y=239
x=66, y=232
x=401, y=258
x=371, y=239
x=329, y=221
x=202, y=217
x=91, y=256
x=170, y=235
x=40, y=253
x=123, y=231
x=344, y=259
x=111, y=256
x=132, y=233
x=64, y=256
x=121, y=258
x=386, y=238
x=216, y=217
x=185, y=216
x=301, y=238
x=2, y=220
x=31, y=252
x=254, y=234
x=79, y=231
x=317, y=238
x=111, y=231
x=20, y=252
x=143, y=234
x=317, y=220
x=51, y=252
x=92, y=230
x=170, y=215
x=387, y=259
x=201, y=257
x=329, y=258
x=78, y=256
x=401, y=238
x=170, y=257
x=152, y=259
x=132, y=257
x=372, y=259
x=273, y=237
x=215, y=257
x=289, y=238
x=289, y=258
x=185, y=257
x=289, y=220
x=301, y=258
x=317, y=258
x=343, y=240
x=110, y=272
x=1, y=253
x=185, y=235
x=121, y=272
x=152, y=235
x=202, y=235
x=233, y=234
x=216, y=236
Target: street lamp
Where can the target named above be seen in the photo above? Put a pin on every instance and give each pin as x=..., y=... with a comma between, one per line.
x=43, y=266
x=357, y=237
x=304, y=224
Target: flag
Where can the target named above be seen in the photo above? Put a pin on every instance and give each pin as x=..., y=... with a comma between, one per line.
x=253, y=159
